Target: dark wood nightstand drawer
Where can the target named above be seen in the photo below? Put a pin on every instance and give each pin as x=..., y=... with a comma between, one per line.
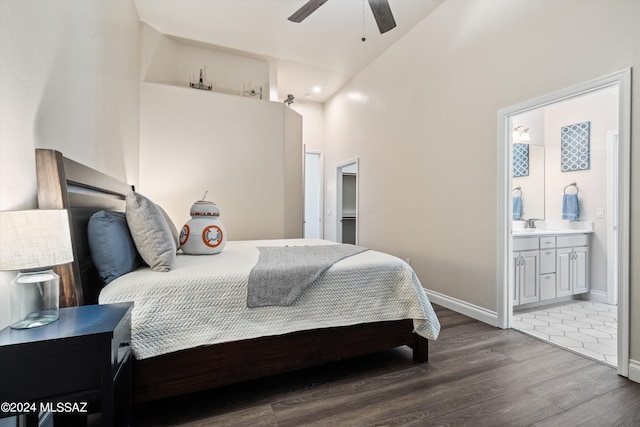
x=38, y=371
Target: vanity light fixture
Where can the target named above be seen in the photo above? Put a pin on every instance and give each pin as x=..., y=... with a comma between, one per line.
x=521, y=134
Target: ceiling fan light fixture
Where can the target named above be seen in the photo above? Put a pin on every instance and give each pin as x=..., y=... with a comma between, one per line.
x=380, y=9
x=307, y=9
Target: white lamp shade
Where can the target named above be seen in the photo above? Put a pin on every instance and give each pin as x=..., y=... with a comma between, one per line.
x=34, y=239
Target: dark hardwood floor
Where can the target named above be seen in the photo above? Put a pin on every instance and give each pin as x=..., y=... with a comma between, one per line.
x=477, y=375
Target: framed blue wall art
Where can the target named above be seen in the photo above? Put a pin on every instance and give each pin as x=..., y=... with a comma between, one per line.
x=574, y=147
x=520, y=160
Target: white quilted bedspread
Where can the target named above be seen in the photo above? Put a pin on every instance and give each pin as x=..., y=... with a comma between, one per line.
x=203, y=299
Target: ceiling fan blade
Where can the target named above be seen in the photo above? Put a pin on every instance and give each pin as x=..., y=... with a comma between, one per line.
x=307, y=9
x=382, y=12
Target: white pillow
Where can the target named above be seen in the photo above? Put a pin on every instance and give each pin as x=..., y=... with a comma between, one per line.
x=150, y=232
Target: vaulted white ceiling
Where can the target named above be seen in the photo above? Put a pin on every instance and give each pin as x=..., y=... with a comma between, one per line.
x=325, y=50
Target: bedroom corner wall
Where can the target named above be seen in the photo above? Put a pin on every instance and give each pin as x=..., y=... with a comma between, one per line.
x=246, y=153
x=69, y=81
x=422, y=121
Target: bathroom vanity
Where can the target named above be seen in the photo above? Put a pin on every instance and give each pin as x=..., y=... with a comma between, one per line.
x=549, y=264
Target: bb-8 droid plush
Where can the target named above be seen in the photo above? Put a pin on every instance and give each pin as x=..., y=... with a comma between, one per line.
x=203, y=234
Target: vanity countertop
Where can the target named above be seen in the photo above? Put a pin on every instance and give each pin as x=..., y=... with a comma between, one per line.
x=536, y=232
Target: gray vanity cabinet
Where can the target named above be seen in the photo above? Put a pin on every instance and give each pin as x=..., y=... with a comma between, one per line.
x=549, y=267
x=526, y=271
x=572, y=275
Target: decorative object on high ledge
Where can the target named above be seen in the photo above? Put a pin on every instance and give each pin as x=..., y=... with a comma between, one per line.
x=33, y=241
x=252, y=92
x=521, y=134
x=200, y=84
x=289, y=99
x=574, y=147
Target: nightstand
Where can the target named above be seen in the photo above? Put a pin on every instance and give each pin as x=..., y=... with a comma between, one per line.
x=83, y=357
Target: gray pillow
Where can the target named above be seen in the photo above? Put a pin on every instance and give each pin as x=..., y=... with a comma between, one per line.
x=172, y=226
x=112, y=249
x=150, y=232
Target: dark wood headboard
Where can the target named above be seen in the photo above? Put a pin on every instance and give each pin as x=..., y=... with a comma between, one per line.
x=66, y=184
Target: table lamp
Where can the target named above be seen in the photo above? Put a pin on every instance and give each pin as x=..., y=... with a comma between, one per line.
x=32, y=242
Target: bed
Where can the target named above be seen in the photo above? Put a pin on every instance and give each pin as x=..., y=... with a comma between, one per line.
x=170, y=369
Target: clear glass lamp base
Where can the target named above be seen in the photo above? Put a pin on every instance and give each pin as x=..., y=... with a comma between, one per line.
x=34, y=299
x=35, y=319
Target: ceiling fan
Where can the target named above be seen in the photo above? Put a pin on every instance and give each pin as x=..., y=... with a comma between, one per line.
x=380, y=8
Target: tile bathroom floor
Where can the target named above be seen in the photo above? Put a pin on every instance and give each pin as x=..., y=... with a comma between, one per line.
x=583, y=327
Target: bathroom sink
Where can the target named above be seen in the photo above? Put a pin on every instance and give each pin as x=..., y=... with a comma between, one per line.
x=547, y=231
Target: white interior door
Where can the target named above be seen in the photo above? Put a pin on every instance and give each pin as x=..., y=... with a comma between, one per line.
x=313, y=195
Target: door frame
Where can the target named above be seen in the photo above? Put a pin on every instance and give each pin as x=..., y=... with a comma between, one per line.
x=613, y=162
x=339, y=169
x=621, y=79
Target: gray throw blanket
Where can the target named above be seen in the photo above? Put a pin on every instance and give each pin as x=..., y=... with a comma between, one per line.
x=283, y=273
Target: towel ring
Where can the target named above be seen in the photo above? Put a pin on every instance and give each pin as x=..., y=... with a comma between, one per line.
x=518, y=189
x=573, y=184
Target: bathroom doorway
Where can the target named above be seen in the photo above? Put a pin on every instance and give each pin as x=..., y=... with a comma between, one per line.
x=597, y=213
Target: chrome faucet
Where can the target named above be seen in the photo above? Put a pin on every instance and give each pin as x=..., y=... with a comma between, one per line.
x=531, y=222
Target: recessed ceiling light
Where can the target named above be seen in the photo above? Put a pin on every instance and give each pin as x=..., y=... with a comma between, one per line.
x=317, y=89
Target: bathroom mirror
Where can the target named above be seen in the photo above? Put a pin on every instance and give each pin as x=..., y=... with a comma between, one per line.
x=532, y=184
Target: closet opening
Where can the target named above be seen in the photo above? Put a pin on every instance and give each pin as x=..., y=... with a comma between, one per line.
x=347, y=202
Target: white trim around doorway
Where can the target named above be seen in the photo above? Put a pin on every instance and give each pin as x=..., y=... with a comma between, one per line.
x=621, y=79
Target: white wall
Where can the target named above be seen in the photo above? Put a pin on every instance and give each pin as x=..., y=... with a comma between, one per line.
x=422, y=120
x=312, y=124
x=247, y=154
x=69, y=81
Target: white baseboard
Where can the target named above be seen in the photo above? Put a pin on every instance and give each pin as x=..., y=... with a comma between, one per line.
x=462, y=307
x=597, y=296
x=634, y=370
